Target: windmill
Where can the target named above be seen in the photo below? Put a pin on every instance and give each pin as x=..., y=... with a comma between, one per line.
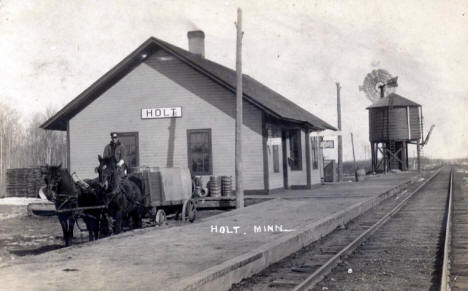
x=394, y=122
x=378, y=84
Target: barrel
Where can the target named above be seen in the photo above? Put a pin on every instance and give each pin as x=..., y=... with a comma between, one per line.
x=215, y=186
x=226, y=185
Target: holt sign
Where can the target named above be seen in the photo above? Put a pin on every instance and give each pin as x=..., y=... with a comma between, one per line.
x=162, y=112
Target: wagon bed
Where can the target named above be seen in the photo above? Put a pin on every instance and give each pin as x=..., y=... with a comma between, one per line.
x=167, y=191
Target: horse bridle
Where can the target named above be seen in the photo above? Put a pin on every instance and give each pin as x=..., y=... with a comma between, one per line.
x=53, y=187
x=109, y=179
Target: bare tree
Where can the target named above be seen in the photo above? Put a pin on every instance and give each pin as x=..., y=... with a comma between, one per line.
x=9, y=130
x=45, y=146
x=10, y=133
x=28, y=146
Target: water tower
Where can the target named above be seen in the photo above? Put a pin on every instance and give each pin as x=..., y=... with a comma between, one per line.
x=394, y=122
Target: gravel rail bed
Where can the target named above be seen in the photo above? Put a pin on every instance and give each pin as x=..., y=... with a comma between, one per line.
x=402, y=255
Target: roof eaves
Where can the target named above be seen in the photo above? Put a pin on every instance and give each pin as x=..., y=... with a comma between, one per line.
x=123, y=65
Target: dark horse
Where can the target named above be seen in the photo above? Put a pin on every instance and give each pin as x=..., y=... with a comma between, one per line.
x=126, y=202
x=68, y=196
x=95, y=219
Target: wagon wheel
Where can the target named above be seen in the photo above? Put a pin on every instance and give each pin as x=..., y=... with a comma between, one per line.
x=189, y=211
x=160, y=217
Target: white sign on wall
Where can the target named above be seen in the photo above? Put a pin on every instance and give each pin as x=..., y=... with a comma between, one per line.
x=327, y=144
x=274, y=141
x=163, y=112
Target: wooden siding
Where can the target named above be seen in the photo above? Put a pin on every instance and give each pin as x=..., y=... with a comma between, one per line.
x=163, y=81
x=397, y=124
x=415, y=123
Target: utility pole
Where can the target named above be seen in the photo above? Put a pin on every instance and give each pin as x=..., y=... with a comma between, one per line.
x=239, y=114
x=418, y=149
x=354, y=158
x=340, y=138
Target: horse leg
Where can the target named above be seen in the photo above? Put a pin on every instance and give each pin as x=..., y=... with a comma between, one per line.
x=71, y=226
x=93, y=226
x=105, y=225
x=118, y=223
x=91, y=235
x=95, y=229
x=64, y=224
x=90, y=226
x=137, y=219
x=96, y=233
x=91, y=231
x=98, y=224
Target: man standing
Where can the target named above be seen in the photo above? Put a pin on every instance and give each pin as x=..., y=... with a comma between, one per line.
x=116, y=151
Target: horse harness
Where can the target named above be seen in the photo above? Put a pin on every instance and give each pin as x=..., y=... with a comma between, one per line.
x=125, y=195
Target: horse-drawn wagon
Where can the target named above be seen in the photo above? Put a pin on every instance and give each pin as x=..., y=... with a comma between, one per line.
x=167, y=191
x=147, y=192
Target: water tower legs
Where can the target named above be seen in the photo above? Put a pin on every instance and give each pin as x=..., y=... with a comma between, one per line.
x=404, y=157
x=394, y=155
x=373, y=157
x=418, y=149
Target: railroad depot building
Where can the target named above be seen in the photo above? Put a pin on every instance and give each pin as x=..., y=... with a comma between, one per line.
x=175, y=108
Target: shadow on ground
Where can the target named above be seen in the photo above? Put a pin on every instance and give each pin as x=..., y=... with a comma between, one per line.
x=35, y=251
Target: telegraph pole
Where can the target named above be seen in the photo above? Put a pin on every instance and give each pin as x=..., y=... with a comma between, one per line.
x=354, y=158
x=239, y=186
x=340, y=138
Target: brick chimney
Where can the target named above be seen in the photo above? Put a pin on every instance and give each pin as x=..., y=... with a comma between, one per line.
x=196, y=39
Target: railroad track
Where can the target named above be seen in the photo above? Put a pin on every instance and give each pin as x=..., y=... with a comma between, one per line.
x=455, y=271
x=398, y=245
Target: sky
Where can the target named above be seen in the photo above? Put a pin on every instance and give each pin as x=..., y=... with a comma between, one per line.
x=52, y=50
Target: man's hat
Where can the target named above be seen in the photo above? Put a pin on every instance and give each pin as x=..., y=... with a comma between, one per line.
x=114, y=134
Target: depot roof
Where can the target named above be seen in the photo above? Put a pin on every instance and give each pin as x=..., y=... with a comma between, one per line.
x=253, y=91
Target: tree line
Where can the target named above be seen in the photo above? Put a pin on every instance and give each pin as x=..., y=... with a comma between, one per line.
x=24, y=145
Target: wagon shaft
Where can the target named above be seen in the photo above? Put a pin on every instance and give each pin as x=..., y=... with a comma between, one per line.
x=80, y=208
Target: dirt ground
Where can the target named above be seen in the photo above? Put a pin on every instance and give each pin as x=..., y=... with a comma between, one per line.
x=24, y=235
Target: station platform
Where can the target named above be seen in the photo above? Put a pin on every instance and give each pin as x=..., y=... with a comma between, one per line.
x=210, y=254
x=459, y=241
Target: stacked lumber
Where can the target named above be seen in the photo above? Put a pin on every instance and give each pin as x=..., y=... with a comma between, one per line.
x=24, y=182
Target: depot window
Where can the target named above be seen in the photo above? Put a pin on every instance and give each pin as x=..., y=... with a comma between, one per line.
x=200, y=159
x=295, y=151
